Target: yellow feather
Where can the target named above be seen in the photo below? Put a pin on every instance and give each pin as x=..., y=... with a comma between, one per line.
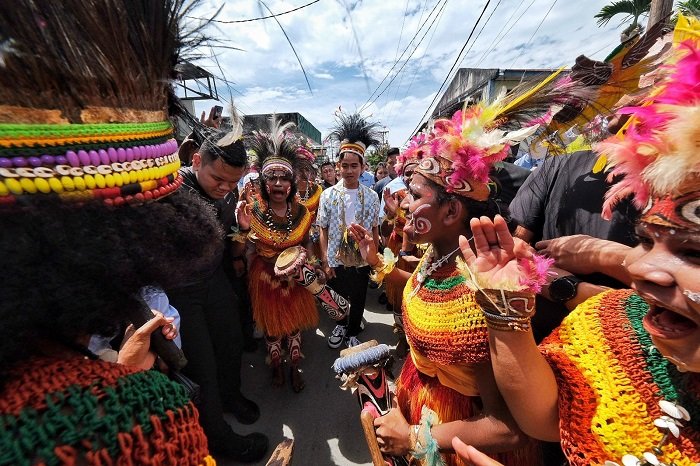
x=532, y=91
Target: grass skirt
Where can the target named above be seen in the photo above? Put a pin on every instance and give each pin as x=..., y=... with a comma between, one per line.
x=415, y=389
x=280, y=306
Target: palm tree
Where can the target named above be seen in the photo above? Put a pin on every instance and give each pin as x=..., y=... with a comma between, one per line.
x=632, y=8
x=688, y=8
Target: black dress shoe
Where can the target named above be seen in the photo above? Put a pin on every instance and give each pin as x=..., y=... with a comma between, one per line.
x=249, y=448
x=244, y=410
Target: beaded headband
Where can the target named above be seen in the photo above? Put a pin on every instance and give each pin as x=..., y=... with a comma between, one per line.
x=272, y=164
x=353, y=147
x=114, y=162
x=657, y=156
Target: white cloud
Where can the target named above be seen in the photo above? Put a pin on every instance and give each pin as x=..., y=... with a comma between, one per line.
x=270, y=79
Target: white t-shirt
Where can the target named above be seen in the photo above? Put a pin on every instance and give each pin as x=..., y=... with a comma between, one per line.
x=350, y=200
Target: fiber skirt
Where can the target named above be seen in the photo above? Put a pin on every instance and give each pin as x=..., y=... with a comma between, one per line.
x=280, y=306
x=415, y=389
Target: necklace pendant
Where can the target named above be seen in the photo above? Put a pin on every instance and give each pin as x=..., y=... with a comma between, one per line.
x=420, y=277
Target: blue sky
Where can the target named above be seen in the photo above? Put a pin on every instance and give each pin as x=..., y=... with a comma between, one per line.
x=267, y=78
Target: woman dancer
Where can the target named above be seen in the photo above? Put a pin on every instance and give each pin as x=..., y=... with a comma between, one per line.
x=619, y=381
x=277, y=221
x=447, y=387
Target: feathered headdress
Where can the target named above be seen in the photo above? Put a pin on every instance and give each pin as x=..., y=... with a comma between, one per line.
x=355, y=133
x=417, y=148
x=658, y=154
x=273, y=148
x=84, y=98
x=462, y=150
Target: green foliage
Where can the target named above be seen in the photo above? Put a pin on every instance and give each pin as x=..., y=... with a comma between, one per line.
x=632, y=8
x=375, y=156
x=687, y=8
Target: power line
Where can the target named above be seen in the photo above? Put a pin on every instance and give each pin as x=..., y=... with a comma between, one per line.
x=517, y=57
x=488, y=2
x=496, y=43
x=413, y=78
x=480, y=31
x=403, y=22
x=256, y=19
x=404, y=51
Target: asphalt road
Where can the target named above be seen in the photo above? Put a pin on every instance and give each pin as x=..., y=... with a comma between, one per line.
x=323, y=419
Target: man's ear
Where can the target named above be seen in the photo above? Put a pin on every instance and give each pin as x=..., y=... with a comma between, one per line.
x=196, y=161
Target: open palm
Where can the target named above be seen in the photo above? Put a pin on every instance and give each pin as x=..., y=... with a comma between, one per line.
x=495, y=253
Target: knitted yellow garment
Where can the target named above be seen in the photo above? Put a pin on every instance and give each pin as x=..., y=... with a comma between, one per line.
x=611, y=380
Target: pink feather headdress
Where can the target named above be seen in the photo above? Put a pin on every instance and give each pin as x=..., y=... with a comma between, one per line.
x=657, y=158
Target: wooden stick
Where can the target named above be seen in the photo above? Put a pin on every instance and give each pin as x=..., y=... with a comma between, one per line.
x=367, y=421
x=282, y=456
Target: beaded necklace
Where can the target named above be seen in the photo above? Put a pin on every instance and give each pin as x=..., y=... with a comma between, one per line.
x=360, y=201
x=305, y=197
x=424, y=272
x=269, y=221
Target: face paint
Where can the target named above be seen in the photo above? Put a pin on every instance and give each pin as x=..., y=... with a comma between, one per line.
x=694, y=296
x=422, y=225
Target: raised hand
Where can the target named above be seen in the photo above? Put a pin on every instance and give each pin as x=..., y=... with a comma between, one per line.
x=495, y=253
x=211, y=120
x=391, y=204
x=365, y=242
x=243, y=215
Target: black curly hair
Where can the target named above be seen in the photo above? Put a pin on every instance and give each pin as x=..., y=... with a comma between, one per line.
x=475, y=209
x=74, y=270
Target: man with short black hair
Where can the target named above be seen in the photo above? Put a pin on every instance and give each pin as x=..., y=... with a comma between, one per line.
x=210, y=327
x=328, y=175
x=391, y=157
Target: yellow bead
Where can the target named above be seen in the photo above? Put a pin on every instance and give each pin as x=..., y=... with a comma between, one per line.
x=79, y=183
x=67, y=183
x=126, y=178
x=42, y=185
x=3, y=189
x=13, y=185
x=109, y=180
x=56, y=185
x=118, y=180
x=89, y=181
x=28, y=185
x=100, y=181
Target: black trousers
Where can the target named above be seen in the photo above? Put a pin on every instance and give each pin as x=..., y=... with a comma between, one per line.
x=351, y=283
x=212, y=342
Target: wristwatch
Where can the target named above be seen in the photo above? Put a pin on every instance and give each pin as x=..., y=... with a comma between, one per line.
x=563, y=288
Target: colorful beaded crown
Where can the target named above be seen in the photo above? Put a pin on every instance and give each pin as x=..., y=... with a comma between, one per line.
x=658, y=155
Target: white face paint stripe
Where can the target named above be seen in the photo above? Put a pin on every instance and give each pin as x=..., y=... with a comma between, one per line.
x=422, y=224
x=694, y=296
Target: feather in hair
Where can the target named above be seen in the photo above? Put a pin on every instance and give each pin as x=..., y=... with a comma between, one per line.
x=81, y=61
x=355, y=128
x=273, y=142
x=236, y=132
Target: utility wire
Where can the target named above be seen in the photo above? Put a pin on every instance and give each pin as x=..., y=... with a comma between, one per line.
x=480, y=31
x=404, y=51
x=496, y=43
x=403, y=22
x=409, y=57
x=488, y=2
x=517, y=57
x=256, y=19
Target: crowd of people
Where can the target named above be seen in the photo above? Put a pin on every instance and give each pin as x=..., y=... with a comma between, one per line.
x=547, y=314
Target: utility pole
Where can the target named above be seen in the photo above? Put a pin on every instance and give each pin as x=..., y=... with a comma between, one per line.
x=660, y=9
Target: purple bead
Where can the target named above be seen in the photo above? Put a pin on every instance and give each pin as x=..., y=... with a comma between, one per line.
x=121, y=154
x=94, y=157
x=112, y=152
x=19, y=161
x=84, y=157
x=34, y=161
x=140, y=155
x=48, y=159
x=151, y=152
x=129, y=154
x=172, y=146
x=62, y=159
x=73, y=159
x=5, y=163
x=104, y=157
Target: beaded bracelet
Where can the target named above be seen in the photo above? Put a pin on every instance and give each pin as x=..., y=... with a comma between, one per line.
x=506, y=310
x=385, y=264
x=423, y=445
